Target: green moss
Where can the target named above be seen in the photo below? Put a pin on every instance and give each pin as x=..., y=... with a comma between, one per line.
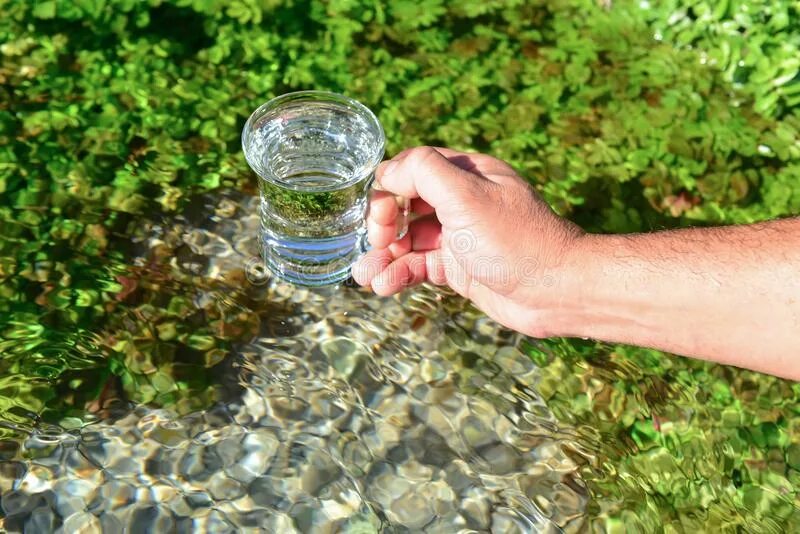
x=310, y=208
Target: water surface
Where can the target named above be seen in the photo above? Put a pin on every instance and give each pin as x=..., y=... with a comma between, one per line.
x=216, y=398
x=327, y=410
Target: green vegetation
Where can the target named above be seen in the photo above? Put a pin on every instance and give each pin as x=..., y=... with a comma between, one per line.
x=625, y=117
x=314, y=210
x=678, y=444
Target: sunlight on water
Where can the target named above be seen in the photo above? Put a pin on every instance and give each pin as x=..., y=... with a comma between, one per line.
x=217, y=399
x=333, y=410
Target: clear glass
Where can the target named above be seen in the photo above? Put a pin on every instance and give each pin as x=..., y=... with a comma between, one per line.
x=315, y=154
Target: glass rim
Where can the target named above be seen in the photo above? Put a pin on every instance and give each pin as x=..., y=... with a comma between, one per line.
x=315, y=96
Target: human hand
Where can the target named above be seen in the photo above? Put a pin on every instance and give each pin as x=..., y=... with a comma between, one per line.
x=479, y=228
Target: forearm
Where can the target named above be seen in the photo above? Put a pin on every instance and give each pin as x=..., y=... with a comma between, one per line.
x=729, y=294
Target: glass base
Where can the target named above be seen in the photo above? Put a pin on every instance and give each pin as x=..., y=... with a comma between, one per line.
x=312, y=262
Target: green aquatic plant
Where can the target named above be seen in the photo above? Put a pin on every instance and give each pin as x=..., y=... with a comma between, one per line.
x=677, y=444
x=625, y=115
x=310, y=207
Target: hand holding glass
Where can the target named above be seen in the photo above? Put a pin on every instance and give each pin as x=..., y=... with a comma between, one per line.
x=315, y=154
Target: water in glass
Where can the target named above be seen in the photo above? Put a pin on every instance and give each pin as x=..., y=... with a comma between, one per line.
x=315, y=154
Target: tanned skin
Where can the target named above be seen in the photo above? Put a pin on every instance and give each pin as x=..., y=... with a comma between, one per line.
x=726, y=294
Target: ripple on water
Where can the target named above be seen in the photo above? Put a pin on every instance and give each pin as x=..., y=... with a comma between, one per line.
x=330, y=410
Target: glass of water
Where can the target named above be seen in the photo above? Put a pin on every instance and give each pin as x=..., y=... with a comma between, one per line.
x=315, y=155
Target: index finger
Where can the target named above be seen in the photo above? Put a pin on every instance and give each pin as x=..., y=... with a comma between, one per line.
x=423, y=172
x=481, y=164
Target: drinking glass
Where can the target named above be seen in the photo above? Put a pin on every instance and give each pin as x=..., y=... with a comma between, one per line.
x=315, y=154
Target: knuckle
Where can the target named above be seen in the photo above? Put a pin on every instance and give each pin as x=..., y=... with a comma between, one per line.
x=421, y=156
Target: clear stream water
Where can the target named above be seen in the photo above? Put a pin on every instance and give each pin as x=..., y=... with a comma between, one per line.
x=334, y=410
